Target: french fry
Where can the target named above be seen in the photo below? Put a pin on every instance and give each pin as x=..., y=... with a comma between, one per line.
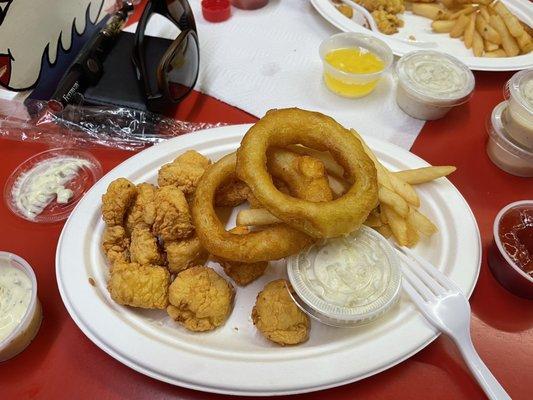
x=442, y=26
x=483, y=2
x=484, y=13
x=495, y=53
x=425, y=174
x=525, y=43
x=477, y=43
x=469, y=31
x=397, y=224
x=412, y=235
x=374, y=219
x=489, y=46
x=512, y=23
x=382, y=216
x=338, y=187
x=464, y=11
x=431, y=11
x=459, y=27
x=404, y=189
x=393, y=200
x=256, y=217
x=508, y=41
x=329, y=163
x=421, y=222
x=449, y=4
x=384, y=230
x=487, y=31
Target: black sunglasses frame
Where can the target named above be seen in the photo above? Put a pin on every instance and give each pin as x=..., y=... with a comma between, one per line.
x=187, y=25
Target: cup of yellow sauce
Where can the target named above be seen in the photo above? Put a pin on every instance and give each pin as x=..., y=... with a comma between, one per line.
x=354, y=63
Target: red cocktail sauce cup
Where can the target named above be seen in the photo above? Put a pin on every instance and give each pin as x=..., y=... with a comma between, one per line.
x=503, y=267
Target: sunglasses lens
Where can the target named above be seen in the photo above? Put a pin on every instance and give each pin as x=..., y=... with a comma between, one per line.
x=182, y=69
x=181, y=13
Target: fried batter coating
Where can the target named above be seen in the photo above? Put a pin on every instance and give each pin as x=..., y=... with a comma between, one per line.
x=143, y=248
x=242, y=273
x=304, y=175
x=117, y=200
x=345, y=10
x=172, y=217
x=277, y=317
x=184, y=172
x=185, y=253
x=390, y=6
x=142, y=212
x=135, y=285
x=232, y=194
x=387, y=23
x=115, y=244
x=200, y=299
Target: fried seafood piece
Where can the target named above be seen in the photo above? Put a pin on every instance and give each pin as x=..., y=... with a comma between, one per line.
x=143, y=248
x=172, y=217
x=232, y=194
x=184, y=172
x=200, y=299
x=345, y=10
x=387, y=23
x=390, y=6
x=242, y=273
x=142, y=212
x=183, y=254
x=277, y=317
x=143, y=286
x=116, y=201
x=305, y=176
x=115, y=244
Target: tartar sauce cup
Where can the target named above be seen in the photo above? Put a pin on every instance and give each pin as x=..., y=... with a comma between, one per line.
x=346, y=281
x=518, y=117
x=19, y=320
x=431, y=83
x=347, y=84
x=502, y=265
x=502, y=150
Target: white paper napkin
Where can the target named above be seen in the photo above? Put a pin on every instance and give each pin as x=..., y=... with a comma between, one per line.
x=268, y=58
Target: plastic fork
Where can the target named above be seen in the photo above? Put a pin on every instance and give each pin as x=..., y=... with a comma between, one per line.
x=443, y=304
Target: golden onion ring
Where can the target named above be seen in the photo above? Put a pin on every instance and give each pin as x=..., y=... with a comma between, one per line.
x=272, y=243
x=317, y=131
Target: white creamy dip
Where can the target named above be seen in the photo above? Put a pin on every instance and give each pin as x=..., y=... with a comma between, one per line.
x=15, y=297
x=519, y=113
x=36, y=188
x=434, y=77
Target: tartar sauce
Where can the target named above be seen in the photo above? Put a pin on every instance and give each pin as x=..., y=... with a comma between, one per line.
x=36, y=188
x=527, y=92
x=15, y=296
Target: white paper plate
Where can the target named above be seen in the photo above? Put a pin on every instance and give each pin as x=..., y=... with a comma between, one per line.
x=235, y=359
x=420, y=28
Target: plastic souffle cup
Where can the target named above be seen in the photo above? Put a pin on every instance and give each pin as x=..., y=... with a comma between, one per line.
x=518, y=118
x=353, y=85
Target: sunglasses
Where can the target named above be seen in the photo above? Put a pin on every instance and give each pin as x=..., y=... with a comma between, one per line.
x=178, y=66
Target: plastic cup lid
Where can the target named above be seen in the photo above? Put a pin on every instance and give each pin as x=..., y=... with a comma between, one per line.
x=520, y=89
x=84, y=172
x=216, y=10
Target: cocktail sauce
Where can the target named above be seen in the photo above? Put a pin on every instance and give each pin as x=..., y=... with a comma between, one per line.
x=516, y=235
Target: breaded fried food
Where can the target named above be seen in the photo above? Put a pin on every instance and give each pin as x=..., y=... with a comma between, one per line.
x=183, y=254
x=305, y=176
x=200, y=299
x=115, y=244
x=387, y=23
x=116, y=201
x=277, y=317
x=172, y=217
x=135, y=285
x=242, y=273
x=143, y=248
x=390, y=6
x=232, y=194
x=184, y=172
x=142, y=212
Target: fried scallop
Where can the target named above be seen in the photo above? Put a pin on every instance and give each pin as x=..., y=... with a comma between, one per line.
x=243, y=273
x=142, y=212
x=185, y=253
x=135, y=285
x=200, y=299
x=115, y=244
x=184, y=172
x=144, y=248
x=117, y=200
x=172, y=217
x=277, y=317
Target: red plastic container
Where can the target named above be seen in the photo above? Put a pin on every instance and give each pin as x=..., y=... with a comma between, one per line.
x=216, y=10
x=504, y=269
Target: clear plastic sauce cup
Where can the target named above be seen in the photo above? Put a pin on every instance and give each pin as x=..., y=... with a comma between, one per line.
x=518, y=117
x=20, y=309
x=431, y=83
x=357, y=84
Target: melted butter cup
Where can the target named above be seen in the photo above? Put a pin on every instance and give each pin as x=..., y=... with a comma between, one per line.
x=346, y=281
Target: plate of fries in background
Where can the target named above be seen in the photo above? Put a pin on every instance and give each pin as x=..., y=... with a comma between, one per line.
x=418, y=207
x=487, y=35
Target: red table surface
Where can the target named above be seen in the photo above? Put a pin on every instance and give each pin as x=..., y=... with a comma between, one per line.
x=62, y=363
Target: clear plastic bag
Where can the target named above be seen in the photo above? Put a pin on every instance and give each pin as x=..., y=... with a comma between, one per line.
x=88, y=126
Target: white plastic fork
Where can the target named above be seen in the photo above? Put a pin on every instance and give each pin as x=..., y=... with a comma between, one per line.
x=445, y=306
